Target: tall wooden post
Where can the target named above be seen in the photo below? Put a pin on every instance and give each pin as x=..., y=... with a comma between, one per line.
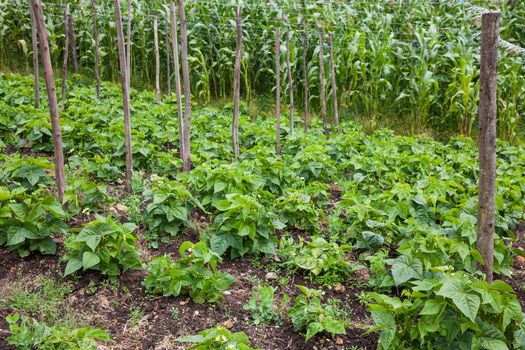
x=128, y=48
x=72, y=42
x=34, y=41
x=97, y=50
x=157, y=58
x=168, y=63
x=487, y=138
x=237, y=82
x=176, y=67
x=125, y=92
x=290, y=80
x=278, y=91
x=305, y=77
x=334, y=82
x=66, y=56
x=52, y=98
x=322, y=96
x=186, y=162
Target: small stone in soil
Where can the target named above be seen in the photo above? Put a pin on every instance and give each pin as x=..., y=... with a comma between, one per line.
x=339, y=289
x=228, y=324
x=270, y=276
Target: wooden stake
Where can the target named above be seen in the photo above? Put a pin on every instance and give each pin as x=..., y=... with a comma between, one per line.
x=168, y=66
x=186, y=162
x=237, y=82
x=66, y=56
x=322, y=96
x=128, y=48
x=175, y=48
x=290, y=81
x=72, y=42
x=157, y=58
x=278, y=91
x=34, y=41
x=305, y=78
x=487, y=139
x=97, y=50
x=125, y=92
x=333, y=81
x=52, y=98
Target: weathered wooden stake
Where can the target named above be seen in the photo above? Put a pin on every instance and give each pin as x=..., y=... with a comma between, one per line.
x=175, y=48
x=168, y=63
x=290, y=80
x=128, y=48
x=334, y=83
x=52, y=98
x=305, y=78
x=237, y=82
x=157, y=58
x=186, y=162
x=125, y=92
x=72, y=42
x=278, y=91
x=97, y=50
x=322, y=96
x=66, y=56
x=34, y=41
x=487, y=139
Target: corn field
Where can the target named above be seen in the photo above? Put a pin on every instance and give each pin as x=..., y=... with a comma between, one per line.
x=414, y=63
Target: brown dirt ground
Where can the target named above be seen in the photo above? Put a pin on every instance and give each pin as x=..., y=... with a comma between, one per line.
x=110, y=308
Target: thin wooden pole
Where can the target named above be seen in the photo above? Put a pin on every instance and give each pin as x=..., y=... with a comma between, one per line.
x=176, y=67
x=487, y=138
x=157, y=58
x=34, y=41
x=97, y=50
x=305, y=78
x=237, y=82
x=72, y=42
x=333, y=82
x=277, y=50
x=186, y=162
x=322, y=96
x=128, y=48
x=52, y=99
x=66, y=56
x=168, y=63
x=290, y=81
x=125, y=92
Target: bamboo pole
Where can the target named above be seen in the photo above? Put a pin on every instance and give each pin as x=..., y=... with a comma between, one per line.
x=305, y=78
x=322, y=96
x=278, y=91
x=52, y=99
x=175, y=48
x=168, y=66
x=186, y=162
x=487, y=139
x=290, y=81
x=157, y=58
x=97, y=50
x=237, y=82
x=125, y=93
x=72, y=42
x=333, y=82
x=34, y=42
x=128, y=48
x=66, y=56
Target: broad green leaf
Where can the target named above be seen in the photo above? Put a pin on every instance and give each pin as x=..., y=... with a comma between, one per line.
x=72, y=266
x=467, y=303
x=89, y=260
x=406, y=268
